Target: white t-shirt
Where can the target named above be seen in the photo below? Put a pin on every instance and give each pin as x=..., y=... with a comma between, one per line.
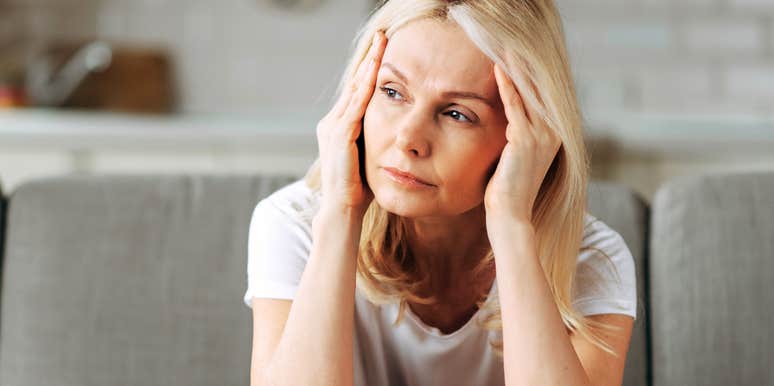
x=413, y=353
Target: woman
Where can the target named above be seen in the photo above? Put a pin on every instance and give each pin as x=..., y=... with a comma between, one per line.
x=450, y=189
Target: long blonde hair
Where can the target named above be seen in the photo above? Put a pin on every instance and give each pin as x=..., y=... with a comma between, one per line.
x=524, y=33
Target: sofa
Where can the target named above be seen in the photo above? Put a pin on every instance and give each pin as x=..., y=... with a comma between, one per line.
x=138, y=279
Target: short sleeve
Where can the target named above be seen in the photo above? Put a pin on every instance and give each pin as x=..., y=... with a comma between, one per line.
x=605, y=280
x=279, y=243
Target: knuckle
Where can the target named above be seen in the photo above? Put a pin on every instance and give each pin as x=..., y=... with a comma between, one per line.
x=341, y=130
x=541, y=136
x=351, y=115
x=529, y=140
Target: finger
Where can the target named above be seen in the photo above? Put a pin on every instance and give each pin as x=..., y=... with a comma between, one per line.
x=346, y=94
x=342, y=102
x=512, y=103
x=374, y=53
x=360, y=99
x=547, y=135
x=541, y=130
x=352, y=86
x=359, y=102
x=527, y=87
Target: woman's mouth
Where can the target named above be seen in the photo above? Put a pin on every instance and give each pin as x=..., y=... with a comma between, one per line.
x=406, y=179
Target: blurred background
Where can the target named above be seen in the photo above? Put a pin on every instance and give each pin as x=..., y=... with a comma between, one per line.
x=667, y=87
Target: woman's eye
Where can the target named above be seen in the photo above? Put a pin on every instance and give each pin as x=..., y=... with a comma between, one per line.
x=389, y=92
x=455, y=114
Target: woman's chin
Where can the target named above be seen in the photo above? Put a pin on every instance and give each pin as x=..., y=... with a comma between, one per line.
x=403, y=205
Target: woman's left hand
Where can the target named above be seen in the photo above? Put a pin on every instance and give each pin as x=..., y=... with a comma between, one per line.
x=526, y=157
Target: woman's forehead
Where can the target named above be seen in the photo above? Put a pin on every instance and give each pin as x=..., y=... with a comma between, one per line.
x=440, y=50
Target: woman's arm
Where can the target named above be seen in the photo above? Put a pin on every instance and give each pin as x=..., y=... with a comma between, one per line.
x=537, y=349
x=316, y=346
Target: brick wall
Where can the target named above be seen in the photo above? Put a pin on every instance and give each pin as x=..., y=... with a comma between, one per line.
x=687, y=56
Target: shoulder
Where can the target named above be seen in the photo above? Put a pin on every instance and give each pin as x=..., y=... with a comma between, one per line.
x=598, y=235
x=605, y=280
x=281, y=226
x=295, y=202
x=279, y=242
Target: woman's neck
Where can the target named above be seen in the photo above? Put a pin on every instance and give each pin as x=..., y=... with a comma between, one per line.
x=447, y=248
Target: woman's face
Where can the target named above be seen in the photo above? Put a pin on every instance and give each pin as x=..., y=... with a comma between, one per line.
x=423, y=119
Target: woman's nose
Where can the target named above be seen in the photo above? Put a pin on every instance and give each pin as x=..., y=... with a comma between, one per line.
x=411, y=135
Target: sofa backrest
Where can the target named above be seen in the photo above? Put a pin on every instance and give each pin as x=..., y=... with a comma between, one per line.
x=627, y=213
x=128, y=280
x=712, y=265
x=116, y=280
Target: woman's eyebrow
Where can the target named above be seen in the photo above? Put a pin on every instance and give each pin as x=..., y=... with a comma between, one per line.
x=445, y=94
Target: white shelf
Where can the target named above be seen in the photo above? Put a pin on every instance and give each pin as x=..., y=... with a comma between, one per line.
x=287, y=132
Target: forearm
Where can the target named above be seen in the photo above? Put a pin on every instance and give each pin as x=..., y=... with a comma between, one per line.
x=316, y=343
x=537, y=348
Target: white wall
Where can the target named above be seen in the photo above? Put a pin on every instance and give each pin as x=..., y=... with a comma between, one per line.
x=691, y=56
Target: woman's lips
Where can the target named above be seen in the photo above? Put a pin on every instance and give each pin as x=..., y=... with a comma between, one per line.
x=406, y=179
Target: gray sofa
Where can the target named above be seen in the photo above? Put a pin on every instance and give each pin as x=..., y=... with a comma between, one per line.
x=138, y=280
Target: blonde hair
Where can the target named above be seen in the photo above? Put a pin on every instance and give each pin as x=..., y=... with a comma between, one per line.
x=524, y=33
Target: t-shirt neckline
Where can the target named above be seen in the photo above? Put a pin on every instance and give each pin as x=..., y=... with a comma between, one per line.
x=436, y=332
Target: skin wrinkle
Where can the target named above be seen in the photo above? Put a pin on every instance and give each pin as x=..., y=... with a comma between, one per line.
x=413, y=131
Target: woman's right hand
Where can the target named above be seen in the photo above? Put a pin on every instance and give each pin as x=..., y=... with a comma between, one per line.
x=337, y=134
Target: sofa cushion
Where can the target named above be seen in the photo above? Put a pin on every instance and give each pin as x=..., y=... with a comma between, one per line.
x=712, y=265
x=626, y=212
x=128, y=280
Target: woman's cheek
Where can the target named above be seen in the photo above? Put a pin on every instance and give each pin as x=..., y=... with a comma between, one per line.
x=373, y=128
x=375, y=119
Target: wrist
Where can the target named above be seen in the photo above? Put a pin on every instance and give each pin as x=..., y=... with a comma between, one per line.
x=509, y=219
x=502, y=227
x=508, y=212
x=337, y=217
